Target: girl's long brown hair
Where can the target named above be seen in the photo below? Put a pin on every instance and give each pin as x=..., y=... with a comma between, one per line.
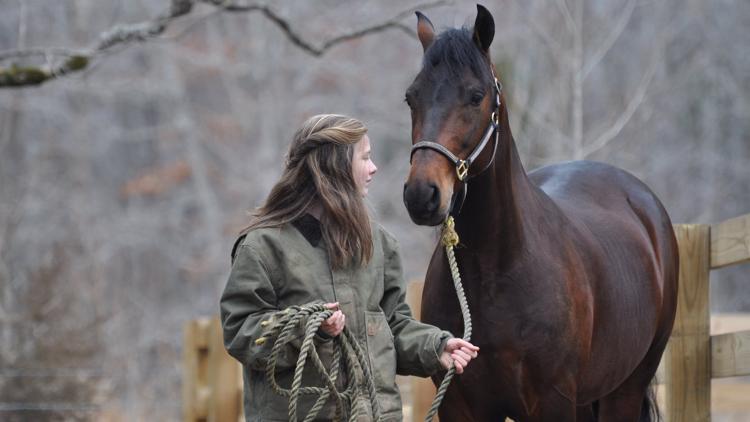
x=319, y=169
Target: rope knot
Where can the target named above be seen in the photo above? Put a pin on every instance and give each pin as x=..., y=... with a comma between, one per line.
x=449, y=236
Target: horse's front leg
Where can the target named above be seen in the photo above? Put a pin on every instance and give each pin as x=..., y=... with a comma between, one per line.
x=454, y=406
x=463, y=404
x=552, y=406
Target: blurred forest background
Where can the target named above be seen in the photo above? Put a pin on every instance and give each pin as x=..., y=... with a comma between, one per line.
x=122, y=185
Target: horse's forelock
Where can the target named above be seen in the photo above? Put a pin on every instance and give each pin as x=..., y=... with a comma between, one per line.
x=455, y=50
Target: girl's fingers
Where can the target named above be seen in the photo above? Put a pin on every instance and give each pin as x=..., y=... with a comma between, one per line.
x=459, y=360
x=470, y=352
x=465, y=344
x=465, y=356
x=335, y=317
x=334, y=324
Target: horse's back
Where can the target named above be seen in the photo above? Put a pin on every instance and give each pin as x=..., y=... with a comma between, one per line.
x=598, y=185
x=631, y=256
x=596, y=193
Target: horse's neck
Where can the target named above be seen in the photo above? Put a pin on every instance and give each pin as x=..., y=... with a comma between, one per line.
x=500, y=204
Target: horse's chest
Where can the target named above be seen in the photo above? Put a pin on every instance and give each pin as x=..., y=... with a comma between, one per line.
x=518, y=317
x=508, y=309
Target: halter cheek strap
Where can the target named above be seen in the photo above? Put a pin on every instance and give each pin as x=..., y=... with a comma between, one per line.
x=462, y=166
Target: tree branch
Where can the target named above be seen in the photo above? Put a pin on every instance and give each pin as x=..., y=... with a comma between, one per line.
x=635, y=101
x=569, y=21
x=522, y=106
x=613, y=35
x=552, y=44
x=120, y=35
x=41, y=52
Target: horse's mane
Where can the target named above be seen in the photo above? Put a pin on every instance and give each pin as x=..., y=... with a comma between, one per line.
x=456, y=50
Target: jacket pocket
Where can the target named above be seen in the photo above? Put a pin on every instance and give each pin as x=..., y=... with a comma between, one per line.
x=382, y=354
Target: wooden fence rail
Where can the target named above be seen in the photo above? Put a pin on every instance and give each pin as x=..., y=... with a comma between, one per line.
x=212, y=380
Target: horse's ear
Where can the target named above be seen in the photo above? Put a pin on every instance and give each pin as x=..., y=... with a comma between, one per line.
x=425, y=30
x=484, y=28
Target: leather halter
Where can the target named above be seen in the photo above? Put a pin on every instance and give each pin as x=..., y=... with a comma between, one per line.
x=462, y=166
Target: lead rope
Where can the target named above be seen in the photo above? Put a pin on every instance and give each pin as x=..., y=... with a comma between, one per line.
x=450, y=239
x=347, y=354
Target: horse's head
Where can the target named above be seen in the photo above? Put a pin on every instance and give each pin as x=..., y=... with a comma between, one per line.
x=452, y=101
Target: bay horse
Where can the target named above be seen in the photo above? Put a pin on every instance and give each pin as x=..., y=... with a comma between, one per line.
x=570, y=271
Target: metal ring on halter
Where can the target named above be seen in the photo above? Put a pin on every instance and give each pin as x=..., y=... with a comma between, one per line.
x=462, y=170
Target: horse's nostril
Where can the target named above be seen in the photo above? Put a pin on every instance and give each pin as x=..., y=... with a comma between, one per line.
x=434, y=200
x=422, y=199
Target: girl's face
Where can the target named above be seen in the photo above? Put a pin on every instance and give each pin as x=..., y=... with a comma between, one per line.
x=362, y=166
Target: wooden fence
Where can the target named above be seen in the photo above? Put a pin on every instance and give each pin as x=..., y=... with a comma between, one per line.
x=212, y=380
x=693, y=356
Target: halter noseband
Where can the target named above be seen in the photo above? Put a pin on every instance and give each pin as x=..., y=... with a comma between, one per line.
x=462, y=166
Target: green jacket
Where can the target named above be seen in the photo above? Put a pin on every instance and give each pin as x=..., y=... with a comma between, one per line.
x=275, y=268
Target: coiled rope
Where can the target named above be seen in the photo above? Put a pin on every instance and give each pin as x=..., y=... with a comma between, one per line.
x=347, y=353
x=450, y=239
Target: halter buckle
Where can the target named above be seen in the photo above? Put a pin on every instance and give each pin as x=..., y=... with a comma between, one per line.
x=462, y=169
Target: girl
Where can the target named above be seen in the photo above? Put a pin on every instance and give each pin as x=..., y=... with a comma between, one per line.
x=311, y=241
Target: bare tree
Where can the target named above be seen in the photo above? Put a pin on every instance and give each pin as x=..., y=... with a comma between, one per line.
x=63, y=61
x=123, y=184
x=576, y=47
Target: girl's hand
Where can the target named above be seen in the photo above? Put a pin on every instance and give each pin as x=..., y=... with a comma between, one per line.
x=459, y=352
x=334, y=325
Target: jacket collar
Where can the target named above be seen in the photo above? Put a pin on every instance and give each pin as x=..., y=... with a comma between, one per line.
x=309, y=227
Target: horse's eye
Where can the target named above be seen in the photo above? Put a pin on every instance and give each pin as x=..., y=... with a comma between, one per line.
x=476, y=98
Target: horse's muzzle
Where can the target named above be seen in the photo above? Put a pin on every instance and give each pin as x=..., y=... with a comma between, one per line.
x=423, y=202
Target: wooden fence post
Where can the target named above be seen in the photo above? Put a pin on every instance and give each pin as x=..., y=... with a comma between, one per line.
x=687, y=358
x=195, y=388
x=224, y=375
x=212, y=380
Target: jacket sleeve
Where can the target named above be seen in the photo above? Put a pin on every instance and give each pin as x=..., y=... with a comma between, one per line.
x=418, y=345
x=248, y=299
